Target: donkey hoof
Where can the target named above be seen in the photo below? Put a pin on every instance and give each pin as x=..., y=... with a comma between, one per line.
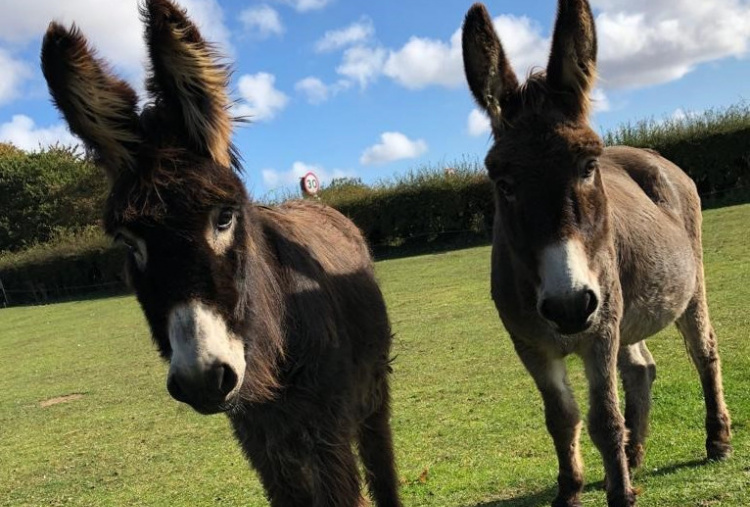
x=622, y=500
x=566, y=502
x=718, y=451
x=635, y=455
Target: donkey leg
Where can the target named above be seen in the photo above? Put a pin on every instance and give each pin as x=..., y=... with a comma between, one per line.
x=638, y=371
x=376, y=450
x=700, y=338
x=306, y=466
x=606, y=424
x=563, y=420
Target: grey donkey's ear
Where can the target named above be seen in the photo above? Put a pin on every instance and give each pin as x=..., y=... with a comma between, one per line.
x=99, y=108
x=188, y=80
x=490, y=76
x=572, y=62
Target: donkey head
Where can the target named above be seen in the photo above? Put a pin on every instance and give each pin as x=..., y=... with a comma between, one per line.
x=552, y=208
x=176, y=200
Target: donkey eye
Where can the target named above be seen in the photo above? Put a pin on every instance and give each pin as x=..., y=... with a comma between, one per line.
x=505, y=186
x=225, y=219
x=591, y=166
x=120, y=239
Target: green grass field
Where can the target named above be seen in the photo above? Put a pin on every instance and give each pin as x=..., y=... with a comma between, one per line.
x=468, y=421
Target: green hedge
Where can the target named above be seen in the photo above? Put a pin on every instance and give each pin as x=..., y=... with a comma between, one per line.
x=44, y=192
x=67, y=267
x=426, y=209
x=713, y=147
x=423, y=208
x=719, y=164
x=87, y=272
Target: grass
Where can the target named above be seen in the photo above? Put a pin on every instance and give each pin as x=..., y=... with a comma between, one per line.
x=468, y=421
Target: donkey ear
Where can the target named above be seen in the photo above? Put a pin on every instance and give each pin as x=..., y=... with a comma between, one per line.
x=99, y=108
x=188, y=80
x=488, y=72
x=572, y=62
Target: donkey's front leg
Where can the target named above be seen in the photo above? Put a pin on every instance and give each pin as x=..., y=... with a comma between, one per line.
x=562, y=417
x=606, y=424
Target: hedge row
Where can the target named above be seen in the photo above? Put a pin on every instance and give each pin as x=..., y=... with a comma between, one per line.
x=54, y=278
x=422, y=210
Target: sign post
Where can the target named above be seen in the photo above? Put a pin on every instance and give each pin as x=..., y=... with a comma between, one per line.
x=309, y=184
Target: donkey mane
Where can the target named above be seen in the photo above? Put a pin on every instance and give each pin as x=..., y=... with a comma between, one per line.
x=535, y=97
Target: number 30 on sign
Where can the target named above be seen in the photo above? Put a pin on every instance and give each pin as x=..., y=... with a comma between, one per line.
x=310, y=184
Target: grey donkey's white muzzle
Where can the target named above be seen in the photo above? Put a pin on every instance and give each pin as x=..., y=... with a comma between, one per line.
x=207, y=365
x=568, y=295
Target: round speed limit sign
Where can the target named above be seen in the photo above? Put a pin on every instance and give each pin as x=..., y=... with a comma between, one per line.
x=310, y=184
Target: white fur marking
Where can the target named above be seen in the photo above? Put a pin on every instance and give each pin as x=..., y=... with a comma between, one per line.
x=200, y=339
x=564, y=270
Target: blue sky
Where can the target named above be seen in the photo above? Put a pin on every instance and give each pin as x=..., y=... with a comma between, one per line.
x=372, y=89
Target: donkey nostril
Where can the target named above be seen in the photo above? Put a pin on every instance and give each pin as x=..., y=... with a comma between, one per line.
x=591, y=302
x=226, y=378
x=549, y=310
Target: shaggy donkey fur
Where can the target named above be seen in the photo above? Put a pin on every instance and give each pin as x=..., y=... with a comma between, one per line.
x=270, y=315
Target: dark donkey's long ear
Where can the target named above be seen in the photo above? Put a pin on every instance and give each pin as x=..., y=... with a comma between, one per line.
x=189, y=80
x=99, y=108
x=490, y=76
x=572, y=62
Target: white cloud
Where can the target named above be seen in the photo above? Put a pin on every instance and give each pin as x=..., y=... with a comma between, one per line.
x=393, y=146
x=641, y=43
x=317, y=92
x=274, y=179
x=209, y=17
x=262, y=100
x=23, y=133
x=262, y=21
x=478, y=123
x=651, y=42
x=424, y=62
x=114, y=29
x=13, y=73
x=600, y=101
x=357, y=33
x=306, y=5
x=523, y=42
x=362, y=64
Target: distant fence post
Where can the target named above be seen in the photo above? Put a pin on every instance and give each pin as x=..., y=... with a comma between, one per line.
x=5, y=296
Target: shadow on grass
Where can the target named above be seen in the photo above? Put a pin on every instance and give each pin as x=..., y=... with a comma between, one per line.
x=544, y=498
x=538, y=499
x=672, y=468
x=422, y=245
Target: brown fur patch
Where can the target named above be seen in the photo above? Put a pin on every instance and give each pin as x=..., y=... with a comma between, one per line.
x=488, y=71
x=99, y=107
x=189, y=79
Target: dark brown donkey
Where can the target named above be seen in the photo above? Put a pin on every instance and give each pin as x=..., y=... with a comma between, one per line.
x=595, y=249
x=272, y=316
